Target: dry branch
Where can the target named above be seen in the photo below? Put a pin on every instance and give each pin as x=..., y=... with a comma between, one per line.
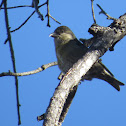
x=93, y=11
x=1, y=4
x=103, y=12
x=35, y=3
x=27, y=18
x=104, y=38
x=43, y=67
x=12, y=57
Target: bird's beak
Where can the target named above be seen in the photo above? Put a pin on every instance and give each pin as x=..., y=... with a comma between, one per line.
x=54, y=35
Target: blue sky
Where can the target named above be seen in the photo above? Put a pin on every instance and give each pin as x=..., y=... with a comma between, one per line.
x=96, y=102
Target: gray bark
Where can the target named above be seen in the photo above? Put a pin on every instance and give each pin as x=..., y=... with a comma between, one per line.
x=104, y=38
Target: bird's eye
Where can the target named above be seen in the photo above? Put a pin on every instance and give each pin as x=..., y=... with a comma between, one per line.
x=58, y=33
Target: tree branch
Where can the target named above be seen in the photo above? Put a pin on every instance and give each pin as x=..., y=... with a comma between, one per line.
x=23, y=22
x=35, y=3
x=1, y=4
x=93, y=11
x=36, y=7
x=43, y=67
x=48, y=15
x=17, y=7
x=27, y=19
x=67, y=104
x=103, y=12
x=65, y=107
x=105, y=37
x=13, y=58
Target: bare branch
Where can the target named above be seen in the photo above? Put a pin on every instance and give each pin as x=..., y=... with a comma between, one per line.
x=105, y=37
x=41, y=117
x=1, y=4
x=17, y=7
x=27, y=19
x=48, y=22
x=23, y=6
x=23, y=22
x=35, y=3
x=6, y=41
x=48, y=15
x=54, y=19
x=70, y=80
x=60, y=76
x=103, y=12
x=13, y=58
x=65, y=108
x=43, y=67
x=93, y=11
x=67, y=104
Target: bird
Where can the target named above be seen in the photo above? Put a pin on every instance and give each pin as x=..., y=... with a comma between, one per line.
x=69, y=50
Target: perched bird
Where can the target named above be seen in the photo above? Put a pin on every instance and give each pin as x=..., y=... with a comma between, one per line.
x=69, y=50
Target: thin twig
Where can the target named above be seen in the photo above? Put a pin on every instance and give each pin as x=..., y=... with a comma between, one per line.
x=35, y=2
x=41, y=117
x=23, y=23
x=17, y=7
x=6, y=41
x=48, y=15
x=22, y=6
x=60, y=76
x=93, y=11
x=54, y=19
x=27, y=19
x=13, y=58
x=1, y=4
x=43, y=67
x=103, y=12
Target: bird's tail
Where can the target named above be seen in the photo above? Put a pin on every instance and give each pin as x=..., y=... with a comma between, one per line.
x=112, y=81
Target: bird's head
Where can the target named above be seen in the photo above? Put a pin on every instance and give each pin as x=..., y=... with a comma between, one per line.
x=62, y=35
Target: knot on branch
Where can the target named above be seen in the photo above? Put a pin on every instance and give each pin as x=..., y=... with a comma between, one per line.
x=120, y=24
x=119, y=28
x=97, y=30
x=113, y=33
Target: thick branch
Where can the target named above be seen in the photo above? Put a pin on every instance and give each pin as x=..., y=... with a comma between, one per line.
x=70, y=80
x=65, y=108
x=105, y=37
x=67, y=104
